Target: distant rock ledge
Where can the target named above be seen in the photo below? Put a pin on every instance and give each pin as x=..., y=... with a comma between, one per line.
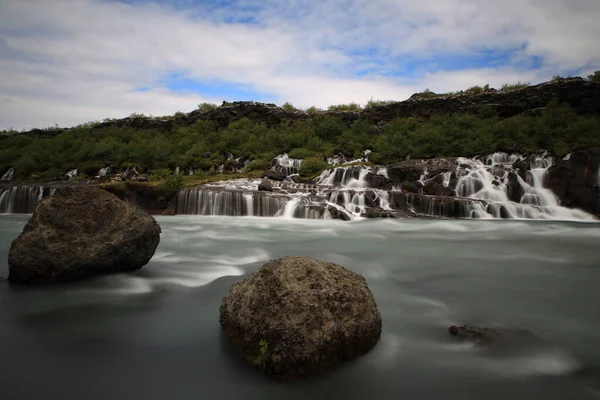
x=582, y=95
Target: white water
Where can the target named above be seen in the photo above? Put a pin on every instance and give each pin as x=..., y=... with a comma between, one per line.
x=490, y=182
x=8, y=175
x=283, y=163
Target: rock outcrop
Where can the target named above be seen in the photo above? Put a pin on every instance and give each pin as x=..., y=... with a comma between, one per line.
x=582, y=95
x=80, y=232
x=297, y=316
x=414, y=170
x=576, y=180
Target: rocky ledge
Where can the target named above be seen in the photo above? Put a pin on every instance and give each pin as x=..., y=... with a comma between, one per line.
x=582, y=95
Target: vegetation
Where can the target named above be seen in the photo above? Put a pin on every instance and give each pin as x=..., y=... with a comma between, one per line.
x=311, y=167
x=507, y=87
x=345, y=107
x=289, y=106
x=203, y=147
x=206, y=106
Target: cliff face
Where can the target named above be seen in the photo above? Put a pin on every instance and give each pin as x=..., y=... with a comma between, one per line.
x=582, y=95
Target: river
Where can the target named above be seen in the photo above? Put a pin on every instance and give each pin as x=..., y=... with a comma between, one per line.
x=155, y=334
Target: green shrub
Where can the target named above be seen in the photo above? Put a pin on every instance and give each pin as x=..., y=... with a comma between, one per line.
x=515, y=86
x=345, y=107
x=169, y=187
x=474, y=90
x=206, y=106
x=312, y=166
x=300, y=153
x=289, y=106
x=313, y=110
x=258, y=165
x=595, y=77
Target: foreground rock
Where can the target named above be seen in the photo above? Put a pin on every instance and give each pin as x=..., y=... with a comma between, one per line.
x=297, y=316
x=80, y=232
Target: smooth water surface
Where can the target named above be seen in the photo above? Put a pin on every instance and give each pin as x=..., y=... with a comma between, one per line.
x=155, y=334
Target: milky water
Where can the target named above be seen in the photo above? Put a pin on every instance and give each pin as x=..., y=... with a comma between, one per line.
x=154, y=334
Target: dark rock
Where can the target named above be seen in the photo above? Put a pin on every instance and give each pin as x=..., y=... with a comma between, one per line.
x=435, y=188
x=265, y=185
x=273, y=175
x=412, y=170
x=435, y=206
x=514, y=190
x=378, y=181
x=297, y=316
x=412, y=187
x=576, y=181
x=493, y=336
x=80, y=232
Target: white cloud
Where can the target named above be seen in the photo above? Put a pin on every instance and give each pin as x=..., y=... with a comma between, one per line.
x=71, y=61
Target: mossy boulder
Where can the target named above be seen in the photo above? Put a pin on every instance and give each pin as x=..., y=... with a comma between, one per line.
x=297, y=316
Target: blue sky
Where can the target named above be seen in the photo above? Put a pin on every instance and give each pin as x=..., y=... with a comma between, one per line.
x=70, y=61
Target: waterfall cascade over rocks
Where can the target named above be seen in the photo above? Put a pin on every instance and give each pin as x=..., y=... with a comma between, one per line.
x=8, y=175
x=495, y=186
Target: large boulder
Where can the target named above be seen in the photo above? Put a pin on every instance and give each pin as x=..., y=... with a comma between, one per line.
x=265, y=185
x=576, y=180
x=79, y=232
x=297, y=316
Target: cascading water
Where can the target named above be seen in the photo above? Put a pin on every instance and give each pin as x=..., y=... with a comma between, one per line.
x=21, y=199
x=8, y=175
x=498, y=184
x=288, y=166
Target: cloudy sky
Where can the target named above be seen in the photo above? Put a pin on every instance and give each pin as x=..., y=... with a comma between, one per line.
x=69, y=61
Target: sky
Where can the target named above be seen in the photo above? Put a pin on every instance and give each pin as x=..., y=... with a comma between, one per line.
x=65, y=62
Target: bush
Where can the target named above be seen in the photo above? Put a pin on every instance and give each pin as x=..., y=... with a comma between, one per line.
x=300, y=153
x=376, y=103
x=515, y=86
x=169, y=187
x=311, y=167
x=289, y=106
x=313, y=110
x=257, y=165
x=595, y=77
x=206, y=106
x=345, y=107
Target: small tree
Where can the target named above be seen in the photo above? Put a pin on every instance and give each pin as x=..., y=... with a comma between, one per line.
x=206, y=106
x=595, y=77
x=312, y=110
x=288, y=106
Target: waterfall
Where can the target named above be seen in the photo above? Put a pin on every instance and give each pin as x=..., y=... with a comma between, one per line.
x=102, y=172
x=21, y=199
x=199, y=201
x=8, y=175
x=71, y=174
x=494, y=181
x=288, y=166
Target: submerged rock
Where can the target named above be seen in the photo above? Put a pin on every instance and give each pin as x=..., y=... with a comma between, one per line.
x=297, y=316
x=79, y=232
x=492, y=336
